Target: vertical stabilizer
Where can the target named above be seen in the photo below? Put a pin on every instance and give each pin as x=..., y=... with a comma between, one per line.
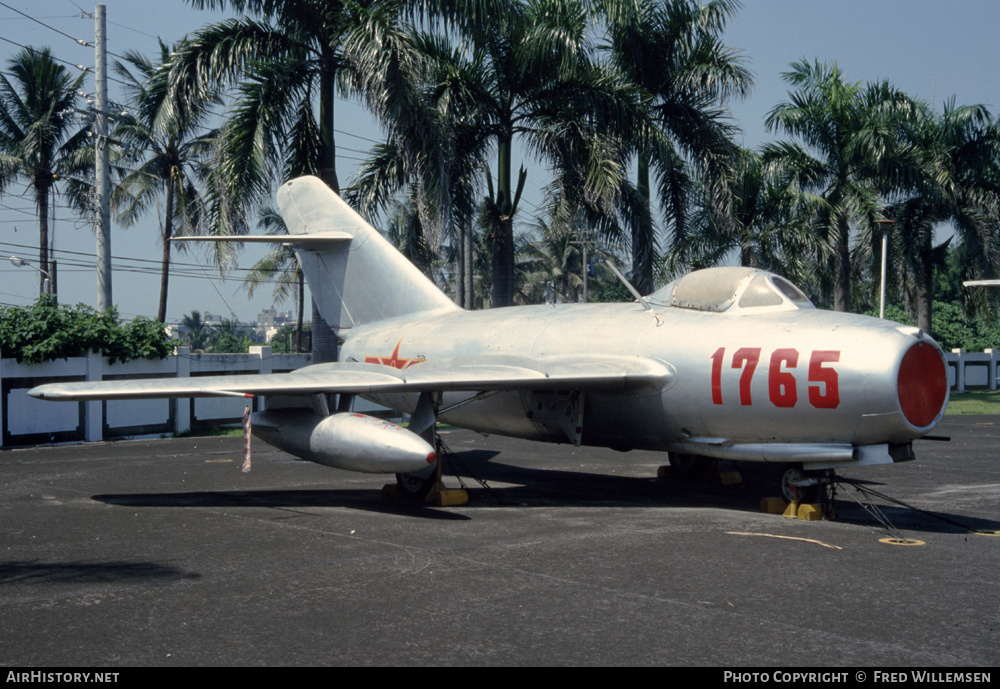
x=361, y=278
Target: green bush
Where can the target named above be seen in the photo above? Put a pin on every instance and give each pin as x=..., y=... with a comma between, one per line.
x=45, y=332
x=228, y=343
x=952, y=327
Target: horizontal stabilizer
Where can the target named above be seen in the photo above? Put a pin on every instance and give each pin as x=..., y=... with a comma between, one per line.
x=355, y=275
x=308, y=241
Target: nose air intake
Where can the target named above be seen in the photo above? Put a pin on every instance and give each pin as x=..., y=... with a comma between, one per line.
x=922, y=384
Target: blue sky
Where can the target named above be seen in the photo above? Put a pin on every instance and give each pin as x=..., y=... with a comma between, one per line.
x=928, y=49
x=931, y=50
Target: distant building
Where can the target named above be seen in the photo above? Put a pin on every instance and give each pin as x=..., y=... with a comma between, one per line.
x=265, y=319
x=270, y=321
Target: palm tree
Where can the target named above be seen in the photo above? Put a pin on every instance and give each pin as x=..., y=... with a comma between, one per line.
x=278, y=63
x=405, y=229
x=854, y=130
x=38, y=141
x=672, y=51
x=436, y=148
x=231, y=336
x=283, y=56
x=165, y=135
x=542, y=86
x=197, y=333
x=528, y=73
x=280, y=267
x=767, y=224
x=552, y=262
x=954, y=158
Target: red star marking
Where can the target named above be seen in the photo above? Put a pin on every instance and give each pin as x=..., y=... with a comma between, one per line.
x=393, y=359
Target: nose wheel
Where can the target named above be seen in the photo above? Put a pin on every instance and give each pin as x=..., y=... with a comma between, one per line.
x=803, y=486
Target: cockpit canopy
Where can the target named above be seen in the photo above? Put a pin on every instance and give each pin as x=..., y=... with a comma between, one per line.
x=737, y=288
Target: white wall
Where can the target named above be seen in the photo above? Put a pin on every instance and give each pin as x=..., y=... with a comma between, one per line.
x=27, y=421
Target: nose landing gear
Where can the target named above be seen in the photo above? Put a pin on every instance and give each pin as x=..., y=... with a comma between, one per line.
x=804, y=487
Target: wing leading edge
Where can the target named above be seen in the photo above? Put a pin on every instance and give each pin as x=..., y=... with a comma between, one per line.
x=474, y=374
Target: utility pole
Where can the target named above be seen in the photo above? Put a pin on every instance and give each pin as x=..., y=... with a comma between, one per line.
x=101, y=170
x=585, y=242
x=53, y=286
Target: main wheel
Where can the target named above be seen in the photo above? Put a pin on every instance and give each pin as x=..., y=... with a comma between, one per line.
x=690, y=466
x=415, y=486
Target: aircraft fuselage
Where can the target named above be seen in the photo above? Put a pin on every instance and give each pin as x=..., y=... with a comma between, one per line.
x=776, y=378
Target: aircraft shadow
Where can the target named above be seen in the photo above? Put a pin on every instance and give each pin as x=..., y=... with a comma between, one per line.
x=499, y=484
x=536, y=487
x=281, y=499
x=544, y=487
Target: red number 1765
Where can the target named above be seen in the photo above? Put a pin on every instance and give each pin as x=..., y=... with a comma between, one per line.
x=822, y=382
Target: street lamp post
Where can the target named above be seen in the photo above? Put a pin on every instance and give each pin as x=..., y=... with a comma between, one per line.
x=46, y=282
x=886, y=226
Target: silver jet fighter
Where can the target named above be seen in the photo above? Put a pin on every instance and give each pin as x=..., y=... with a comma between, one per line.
x=723, y=363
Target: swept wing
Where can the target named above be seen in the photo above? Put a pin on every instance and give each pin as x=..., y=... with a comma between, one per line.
x=474, y=373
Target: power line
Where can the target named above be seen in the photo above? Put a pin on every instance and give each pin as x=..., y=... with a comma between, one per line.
x=80, y=41
x=61, y=33
x=129, y=28
x=82, y=68
x=357, y=136
x=84, y=13
x=152, y=269
x=33, y=214
x=35, y=50
x=66, y=266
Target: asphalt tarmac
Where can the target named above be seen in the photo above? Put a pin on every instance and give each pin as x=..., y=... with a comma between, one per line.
x=162, y=553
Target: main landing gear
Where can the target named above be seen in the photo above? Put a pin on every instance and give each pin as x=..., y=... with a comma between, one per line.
x=416, y=486
x=690, y=466
x=425, y=485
